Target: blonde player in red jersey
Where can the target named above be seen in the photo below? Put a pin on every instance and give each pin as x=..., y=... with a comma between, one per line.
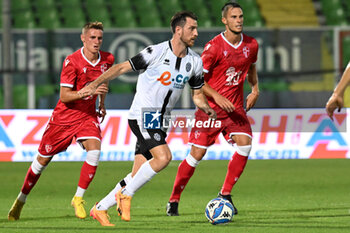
x=73, y=117
x=227, y=60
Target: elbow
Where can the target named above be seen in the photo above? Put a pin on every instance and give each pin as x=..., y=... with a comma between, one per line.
x=64, y=99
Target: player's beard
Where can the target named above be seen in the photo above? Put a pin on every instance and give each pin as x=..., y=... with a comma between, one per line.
x=189, y=42
x=236, y=32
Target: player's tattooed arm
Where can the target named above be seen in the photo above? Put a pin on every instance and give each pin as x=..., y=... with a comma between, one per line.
x=254, y=84
x=201, y=102
x=113, y=72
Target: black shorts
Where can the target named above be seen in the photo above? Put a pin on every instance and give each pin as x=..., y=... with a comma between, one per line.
x=146, y=139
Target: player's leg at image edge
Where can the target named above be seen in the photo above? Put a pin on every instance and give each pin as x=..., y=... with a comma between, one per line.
x=30, y=180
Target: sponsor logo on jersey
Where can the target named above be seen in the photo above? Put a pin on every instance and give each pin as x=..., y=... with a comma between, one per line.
x=225, y=53
x=84, y=70
x=246, y=51
x=178, y=82
x=66, y=62
x=232, y=77
x=152, y=119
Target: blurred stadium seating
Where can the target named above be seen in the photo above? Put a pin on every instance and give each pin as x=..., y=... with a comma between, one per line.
x=50, y=14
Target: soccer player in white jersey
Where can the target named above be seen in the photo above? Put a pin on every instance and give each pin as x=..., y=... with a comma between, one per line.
x=164, y=70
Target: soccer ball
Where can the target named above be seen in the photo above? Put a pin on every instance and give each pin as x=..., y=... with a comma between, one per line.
x=219, y=211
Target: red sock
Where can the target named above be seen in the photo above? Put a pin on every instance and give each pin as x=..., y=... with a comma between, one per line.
x=184, y=174
x=234, y=171
x=29, y=181
x=87, y=174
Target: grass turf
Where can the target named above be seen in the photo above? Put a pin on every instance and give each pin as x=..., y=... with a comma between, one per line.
x=271, y=196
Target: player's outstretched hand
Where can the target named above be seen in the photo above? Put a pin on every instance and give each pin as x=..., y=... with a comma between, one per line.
x=335, y=101
x=251, y=100
x=224, y=103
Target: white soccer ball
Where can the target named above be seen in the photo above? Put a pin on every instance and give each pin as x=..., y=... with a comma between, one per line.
x=219, y=211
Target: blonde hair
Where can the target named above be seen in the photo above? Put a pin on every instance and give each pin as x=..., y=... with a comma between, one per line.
x=92, y=25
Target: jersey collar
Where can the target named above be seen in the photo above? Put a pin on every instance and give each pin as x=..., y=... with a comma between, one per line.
x=239, y=44
x=171, y=48
x=93, y=64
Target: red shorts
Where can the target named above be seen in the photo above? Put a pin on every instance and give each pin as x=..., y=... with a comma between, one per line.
x=57, y=138
x=236, y=123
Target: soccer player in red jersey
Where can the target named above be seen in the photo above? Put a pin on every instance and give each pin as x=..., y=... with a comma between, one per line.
x=227, y=60
x=337, y=98
x=74, y=117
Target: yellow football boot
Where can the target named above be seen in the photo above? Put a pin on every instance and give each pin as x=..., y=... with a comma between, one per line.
x=78, y=204
x=15, y=210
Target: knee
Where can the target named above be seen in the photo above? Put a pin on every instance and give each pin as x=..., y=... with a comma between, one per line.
x=93, y=157
x=244, y=150
x=164, y=158
x=197, y=153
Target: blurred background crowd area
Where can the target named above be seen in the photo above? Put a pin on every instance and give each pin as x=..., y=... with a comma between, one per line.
x=304, y=44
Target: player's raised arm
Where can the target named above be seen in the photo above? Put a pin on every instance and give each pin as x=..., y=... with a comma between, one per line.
x=336, y=100
x=254, y=84
x=201, y=102
x=111, y=73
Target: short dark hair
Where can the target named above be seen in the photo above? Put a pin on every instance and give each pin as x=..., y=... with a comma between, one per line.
x=228, y=5
x=179, y=19
x=94, y=25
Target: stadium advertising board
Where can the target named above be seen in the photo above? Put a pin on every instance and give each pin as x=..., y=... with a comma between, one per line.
x=277, y=134
x=284, y=50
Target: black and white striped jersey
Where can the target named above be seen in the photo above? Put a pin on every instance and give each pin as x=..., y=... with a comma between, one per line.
x=162, y=77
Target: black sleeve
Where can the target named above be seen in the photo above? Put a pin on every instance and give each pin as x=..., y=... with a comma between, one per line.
x=196, y=82
x=138, y=62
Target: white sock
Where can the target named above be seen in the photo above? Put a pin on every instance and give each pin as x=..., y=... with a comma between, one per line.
x=80, y=192
x=143, y=175
x=109, y=200
x=22, y=197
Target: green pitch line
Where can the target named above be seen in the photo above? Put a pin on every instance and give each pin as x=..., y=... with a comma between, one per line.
x=271, y=196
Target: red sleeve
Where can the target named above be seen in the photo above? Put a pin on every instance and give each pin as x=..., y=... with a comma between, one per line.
x=110, y=59
x=255, y=51
x=68, y=74
x=208, y=57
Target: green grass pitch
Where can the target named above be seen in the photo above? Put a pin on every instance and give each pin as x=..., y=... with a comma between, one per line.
x=271, y=196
